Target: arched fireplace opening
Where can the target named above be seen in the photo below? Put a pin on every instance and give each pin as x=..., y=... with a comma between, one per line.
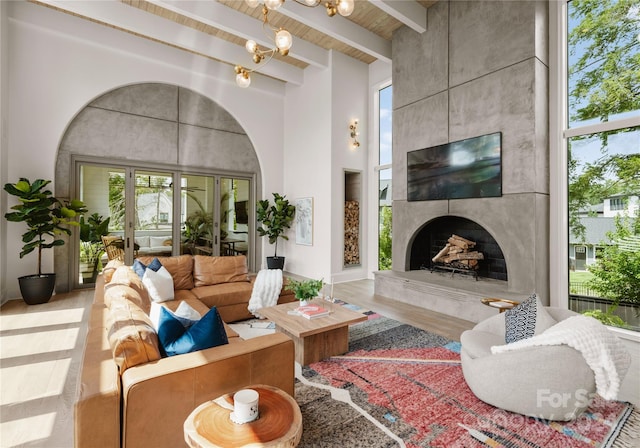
x=431, y=238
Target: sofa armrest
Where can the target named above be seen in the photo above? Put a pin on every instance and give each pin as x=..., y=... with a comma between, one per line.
x=159, y=396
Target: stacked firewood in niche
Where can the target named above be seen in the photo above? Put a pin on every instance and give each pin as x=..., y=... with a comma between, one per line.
x=458, y=253
x=351, y=232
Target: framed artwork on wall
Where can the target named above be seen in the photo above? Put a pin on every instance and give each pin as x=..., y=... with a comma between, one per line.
x=304, y=221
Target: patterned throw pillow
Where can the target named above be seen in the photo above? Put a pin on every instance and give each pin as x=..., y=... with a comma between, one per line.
x=527, y=319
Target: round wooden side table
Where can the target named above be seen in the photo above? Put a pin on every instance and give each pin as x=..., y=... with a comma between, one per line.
x=501, y=304
x=279, y=423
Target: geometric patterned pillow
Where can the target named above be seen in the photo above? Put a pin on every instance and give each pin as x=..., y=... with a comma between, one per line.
x=527, y=319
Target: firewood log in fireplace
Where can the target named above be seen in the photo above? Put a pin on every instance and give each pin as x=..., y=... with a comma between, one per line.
x=456, y=254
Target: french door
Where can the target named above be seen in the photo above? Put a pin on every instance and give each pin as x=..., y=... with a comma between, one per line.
x=135, y=212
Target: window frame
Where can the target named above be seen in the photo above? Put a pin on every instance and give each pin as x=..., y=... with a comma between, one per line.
x=559, y=134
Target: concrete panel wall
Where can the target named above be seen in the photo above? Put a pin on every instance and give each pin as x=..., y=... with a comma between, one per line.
x=480, y=68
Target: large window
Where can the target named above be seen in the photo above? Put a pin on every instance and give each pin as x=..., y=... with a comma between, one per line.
x=599, y=127
x=384, y=177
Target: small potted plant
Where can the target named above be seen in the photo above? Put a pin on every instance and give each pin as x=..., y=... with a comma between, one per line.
x=45, y=217
x=304, y=290
x=275, y=219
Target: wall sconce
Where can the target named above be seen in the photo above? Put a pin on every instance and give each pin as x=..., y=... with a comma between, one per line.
x=353, y=127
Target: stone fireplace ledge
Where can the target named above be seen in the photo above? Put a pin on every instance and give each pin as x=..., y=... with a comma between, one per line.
x=458, y=295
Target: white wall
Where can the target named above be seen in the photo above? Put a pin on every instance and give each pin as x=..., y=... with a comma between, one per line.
x=350, y=95
x=58, y=63
x=308, y=170
x=317, y=152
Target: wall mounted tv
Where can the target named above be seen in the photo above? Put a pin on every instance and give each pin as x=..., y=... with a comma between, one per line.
x=468, y=168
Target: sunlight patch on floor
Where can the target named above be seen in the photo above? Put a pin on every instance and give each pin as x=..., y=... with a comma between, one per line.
x=34, y=381
x=27, y=430
x=38, y=342
x=34, y=319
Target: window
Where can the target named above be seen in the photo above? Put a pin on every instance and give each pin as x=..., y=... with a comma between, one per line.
x=597, y=124
x=384, y=177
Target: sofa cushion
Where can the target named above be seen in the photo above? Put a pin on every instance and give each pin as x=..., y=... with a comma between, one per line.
x=216, y=270
x=124, y=276
x=175, y=339
x=132, y=338
x=224, y=294
x=526, y=320
x=159, y=284
x=110, y=268
x=180, y=268
x=159, y=241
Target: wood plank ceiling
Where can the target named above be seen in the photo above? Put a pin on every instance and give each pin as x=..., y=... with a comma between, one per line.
x=218, y=29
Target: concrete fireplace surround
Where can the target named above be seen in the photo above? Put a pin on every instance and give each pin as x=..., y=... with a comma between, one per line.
x=481, y=67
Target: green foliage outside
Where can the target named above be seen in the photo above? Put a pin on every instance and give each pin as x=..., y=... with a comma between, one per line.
x=91, y=247
x=384, y=239
x=304, y=289
x=616, y=275
x=604, y=81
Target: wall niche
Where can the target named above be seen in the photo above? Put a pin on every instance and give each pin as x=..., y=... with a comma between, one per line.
x=352, y=200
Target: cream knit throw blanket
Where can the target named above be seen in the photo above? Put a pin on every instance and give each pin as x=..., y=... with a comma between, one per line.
x=266, y=290
x=601, y=349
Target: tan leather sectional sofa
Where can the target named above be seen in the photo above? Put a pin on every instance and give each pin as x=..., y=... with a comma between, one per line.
x=128, y=395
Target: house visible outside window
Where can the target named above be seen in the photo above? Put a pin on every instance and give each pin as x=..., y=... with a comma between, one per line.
x=384, y=177
x=163, y=217
x=616, y=204
x=599, y=117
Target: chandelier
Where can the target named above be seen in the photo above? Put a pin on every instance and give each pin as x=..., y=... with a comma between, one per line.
x=281, y=37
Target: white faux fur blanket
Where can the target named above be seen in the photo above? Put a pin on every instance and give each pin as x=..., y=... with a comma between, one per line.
x=601, y=349
x=266, y=290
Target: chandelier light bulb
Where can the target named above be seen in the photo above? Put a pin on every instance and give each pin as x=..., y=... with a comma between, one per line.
x=311, y=2
x=345, y=7
x=273, y=4
x=251, y=46
x=252, y=3
x=243, y=80
x=283, y=40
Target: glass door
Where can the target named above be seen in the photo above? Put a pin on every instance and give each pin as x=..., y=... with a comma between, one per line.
x=196, y=215
x=234, y=216
x=102, y=188
x=153, y=214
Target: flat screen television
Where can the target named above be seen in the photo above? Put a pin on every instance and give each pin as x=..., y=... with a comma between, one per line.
x=470, y=168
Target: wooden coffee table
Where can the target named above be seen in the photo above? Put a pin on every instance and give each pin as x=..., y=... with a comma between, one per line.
x=279, y=423
x=315, y=339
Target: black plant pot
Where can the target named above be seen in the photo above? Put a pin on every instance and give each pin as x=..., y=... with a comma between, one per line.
x=37, y=289
x=275, y=262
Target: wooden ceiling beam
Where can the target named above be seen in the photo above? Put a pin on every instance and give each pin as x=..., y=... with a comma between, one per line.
x=409, y=12
x=119, y=15
x=227, y=19
x=339, y=28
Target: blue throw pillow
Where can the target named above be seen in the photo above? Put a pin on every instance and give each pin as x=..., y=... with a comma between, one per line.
x=175, y=339
x=139, y=267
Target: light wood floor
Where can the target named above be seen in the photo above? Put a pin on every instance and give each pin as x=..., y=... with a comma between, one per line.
x=41, y=347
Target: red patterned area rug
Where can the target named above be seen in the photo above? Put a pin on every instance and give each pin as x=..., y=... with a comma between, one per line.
x=405, y=387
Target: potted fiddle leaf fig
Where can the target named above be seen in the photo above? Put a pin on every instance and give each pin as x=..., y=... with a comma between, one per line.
x=46, y=218
x=275, y=218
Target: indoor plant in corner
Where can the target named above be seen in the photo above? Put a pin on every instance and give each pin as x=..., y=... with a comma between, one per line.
x=46, y=217
x=275, y=219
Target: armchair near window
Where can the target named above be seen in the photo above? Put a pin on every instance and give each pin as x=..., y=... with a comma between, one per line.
x=114, y=247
